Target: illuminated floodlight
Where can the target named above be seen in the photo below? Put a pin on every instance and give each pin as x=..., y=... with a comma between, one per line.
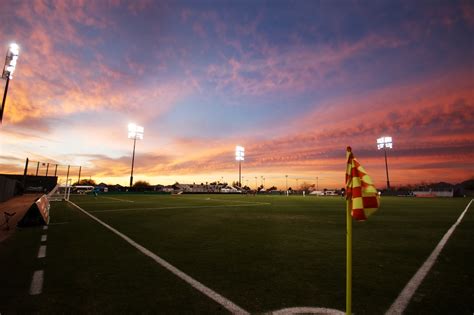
x=135, y=131
x=10, y=61
x=239, y=153
x=384, y=142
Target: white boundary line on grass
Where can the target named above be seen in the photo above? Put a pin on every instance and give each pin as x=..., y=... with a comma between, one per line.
x=225, y=200
x=37, y=282
x=308, y=310
x=178, y=207
x=400, y=304
x=122, y=200
x=232, y=307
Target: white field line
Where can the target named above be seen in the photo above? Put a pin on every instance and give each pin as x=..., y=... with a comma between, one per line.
x=37, y=282
x=123, y=200
x=44, y=238
x=233, y=308
x=398, y=307
x=226, y=200
x=42, y=251
x=178, y=207
x=308, y=310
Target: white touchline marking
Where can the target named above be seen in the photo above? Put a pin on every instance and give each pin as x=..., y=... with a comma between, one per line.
x=398, y=307
x=37, y=282
x=232, y=307
x=308, y=310
x=44, y=238
x=42, y=251
x=45, y=227
x=177, y=207
x=226, y=200
x=123, y=200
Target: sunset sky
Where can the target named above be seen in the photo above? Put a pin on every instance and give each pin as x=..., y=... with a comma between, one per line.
x=294, y=82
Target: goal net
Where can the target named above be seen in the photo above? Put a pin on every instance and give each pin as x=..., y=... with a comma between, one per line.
x=60, y=192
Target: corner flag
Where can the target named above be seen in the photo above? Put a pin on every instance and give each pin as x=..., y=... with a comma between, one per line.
x=361, y=201
x=361, y=193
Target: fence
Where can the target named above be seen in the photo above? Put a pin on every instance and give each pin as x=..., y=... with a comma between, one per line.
x=8, y=188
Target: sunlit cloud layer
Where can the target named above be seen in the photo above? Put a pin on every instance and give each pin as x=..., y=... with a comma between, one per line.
x=294, y=83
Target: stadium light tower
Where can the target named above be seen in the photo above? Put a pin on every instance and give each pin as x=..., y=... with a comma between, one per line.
x=136, y=133
x=384, y=143
x=239, y=156
x=7, y=74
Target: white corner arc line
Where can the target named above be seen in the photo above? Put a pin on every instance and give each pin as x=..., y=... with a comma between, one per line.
x=308, y=310
x=229, y=305
x=400, y=304
x=42, y=251
x=37, y=282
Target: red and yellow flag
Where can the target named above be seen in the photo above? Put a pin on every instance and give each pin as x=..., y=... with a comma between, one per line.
x=361, y=193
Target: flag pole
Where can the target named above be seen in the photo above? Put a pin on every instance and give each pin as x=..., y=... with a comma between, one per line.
x=348, y=259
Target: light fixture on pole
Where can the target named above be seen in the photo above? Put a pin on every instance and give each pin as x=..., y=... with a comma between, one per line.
x=136, y=133
x=7, y=74
x=384, y=143
x=239, y=156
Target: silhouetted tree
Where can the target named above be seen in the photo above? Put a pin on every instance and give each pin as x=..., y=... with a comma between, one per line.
x=86, y=182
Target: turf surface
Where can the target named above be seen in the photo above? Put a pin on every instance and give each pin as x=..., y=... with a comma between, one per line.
x=263, y=253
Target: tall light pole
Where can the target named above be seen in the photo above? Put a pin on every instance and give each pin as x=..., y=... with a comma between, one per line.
x=239, y=156
x=286, y=182
x=384, y=143
x=7, y=74
x=136, y=133
x=256, y=184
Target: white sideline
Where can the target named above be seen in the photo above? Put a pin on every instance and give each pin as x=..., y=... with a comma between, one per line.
x=123, y=200
x=178, y=207
x=398, y=307
x=233, y=308
x=37, y=282
x=42, y=251
x=308, y=310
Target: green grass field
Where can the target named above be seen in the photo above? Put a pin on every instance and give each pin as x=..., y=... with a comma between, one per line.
x=264, y=253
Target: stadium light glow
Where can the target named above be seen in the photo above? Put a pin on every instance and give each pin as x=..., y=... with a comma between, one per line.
x=7, y=74
x=135, y=132
x=384, y=143
x=239, y=156
x=239, y=153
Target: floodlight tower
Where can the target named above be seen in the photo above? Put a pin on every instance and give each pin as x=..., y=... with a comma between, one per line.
x=384, y=143
x=7, y=74
x=239, y=156
x=136, y=133
x=286, y=182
